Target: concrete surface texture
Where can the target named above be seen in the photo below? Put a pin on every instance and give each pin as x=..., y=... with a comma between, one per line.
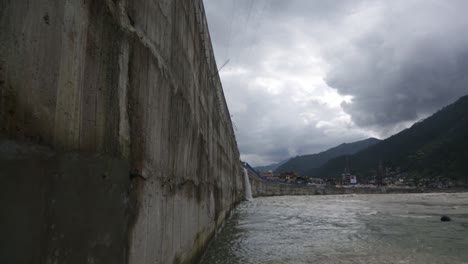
x=116, y=144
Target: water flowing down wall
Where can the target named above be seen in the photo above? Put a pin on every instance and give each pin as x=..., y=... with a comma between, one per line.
x=116, y=145
x=247, y=187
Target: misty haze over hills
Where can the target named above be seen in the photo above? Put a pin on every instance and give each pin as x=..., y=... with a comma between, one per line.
x=435, y=147
x=301, y=164
x=271, y=167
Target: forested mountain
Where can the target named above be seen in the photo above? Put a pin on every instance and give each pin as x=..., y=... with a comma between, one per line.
x=302, y=164
x=434, y=147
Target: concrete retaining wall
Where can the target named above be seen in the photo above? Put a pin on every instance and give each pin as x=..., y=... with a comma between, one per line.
x=116, y=145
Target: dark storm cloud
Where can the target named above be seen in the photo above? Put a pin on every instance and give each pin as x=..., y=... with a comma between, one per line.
x=411, y=62
x=294, y=65
x=313, y=11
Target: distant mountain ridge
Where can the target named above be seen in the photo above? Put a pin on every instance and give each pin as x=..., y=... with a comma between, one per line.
x=271, y=167
x=302, y=164
x=434, y=147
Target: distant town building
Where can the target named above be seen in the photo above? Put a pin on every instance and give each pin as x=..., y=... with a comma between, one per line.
x=347, y=177
x=291, y=177
x=379, y=177
x=266, y=174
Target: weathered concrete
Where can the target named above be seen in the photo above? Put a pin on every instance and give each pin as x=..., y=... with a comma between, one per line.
x=59, y=208
x=117, y=145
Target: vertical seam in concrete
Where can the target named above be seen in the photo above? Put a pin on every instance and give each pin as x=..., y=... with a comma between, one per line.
x=69, y=91
x=124, y=123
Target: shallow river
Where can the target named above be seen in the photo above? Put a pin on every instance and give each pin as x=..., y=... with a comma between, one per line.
x=399, y=228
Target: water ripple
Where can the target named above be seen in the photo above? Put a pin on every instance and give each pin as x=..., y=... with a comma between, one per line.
x=345, y=229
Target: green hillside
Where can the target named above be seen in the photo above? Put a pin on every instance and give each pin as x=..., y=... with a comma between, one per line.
x=434, y=147
x=302, y=164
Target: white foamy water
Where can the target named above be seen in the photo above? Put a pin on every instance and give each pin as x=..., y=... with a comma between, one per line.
x=397, y=228
x=247, y=187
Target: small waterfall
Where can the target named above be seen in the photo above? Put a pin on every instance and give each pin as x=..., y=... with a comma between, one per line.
x=248, y=188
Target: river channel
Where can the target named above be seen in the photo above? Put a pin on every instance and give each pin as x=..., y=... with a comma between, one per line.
x=393, y=228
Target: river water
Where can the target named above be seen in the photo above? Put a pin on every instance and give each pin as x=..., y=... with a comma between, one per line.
x=396, y=228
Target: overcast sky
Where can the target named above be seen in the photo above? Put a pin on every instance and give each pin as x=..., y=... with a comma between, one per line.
x=306, y=75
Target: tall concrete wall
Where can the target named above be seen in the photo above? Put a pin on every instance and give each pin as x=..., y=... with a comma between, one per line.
x=116, y=145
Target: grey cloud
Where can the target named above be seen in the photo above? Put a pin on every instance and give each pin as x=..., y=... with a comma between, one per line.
x=406, y=67
x=400, y=60
x=269, y=126
x=313, y=10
